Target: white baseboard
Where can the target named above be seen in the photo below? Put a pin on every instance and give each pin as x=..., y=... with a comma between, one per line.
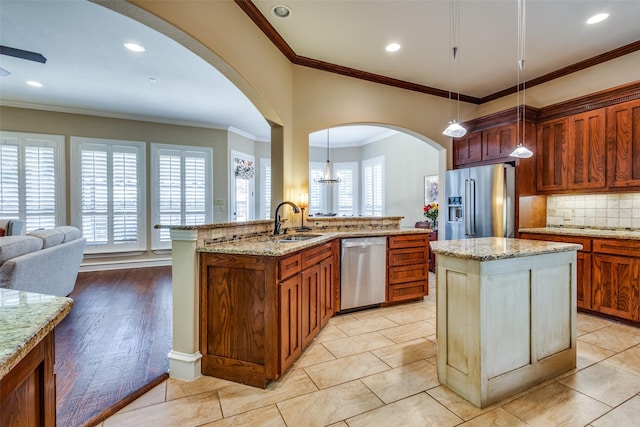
x=118, y=265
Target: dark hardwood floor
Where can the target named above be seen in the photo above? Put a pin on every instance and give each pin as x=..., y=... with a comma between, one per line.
x=113, y=345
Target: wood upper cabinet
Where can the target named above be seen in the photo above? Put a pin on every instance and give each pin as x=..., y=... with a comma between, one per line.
x=467, y=149
x=551, y=155
x=623, y=144
x=586, y=150
x=498, y=142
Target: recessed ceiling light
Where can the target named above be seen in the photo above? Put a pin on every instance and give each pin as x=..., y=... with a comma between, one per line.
x=134, y=47
x=597, y=18
x=34, y=83
x=281, y=11
x=392, y=47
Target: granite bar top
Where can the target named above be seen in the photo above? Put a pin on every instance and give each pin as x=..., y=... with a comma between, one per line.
x=25, y=319
x=495, y=248
x=586, y=232
x=273, y=246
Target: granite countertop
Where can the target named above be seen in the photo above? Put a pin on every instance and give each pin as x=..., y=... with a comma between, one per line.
x=494, y=248
x=585, y=232
x=26, y=318
x=272, y=247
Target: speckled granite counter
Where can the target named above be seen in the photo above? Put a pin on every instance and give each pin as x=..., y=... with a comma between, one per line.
x=585, y=232
x=493, y=248
x=26, y=318
x=273, y=246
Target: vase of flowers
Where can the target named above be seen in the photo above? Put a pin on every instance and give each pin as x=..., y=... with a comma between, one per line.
x=431, y=212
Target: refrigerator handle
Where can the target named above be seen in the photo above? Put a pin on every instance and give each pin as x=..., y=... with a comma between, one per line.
x=470, y=207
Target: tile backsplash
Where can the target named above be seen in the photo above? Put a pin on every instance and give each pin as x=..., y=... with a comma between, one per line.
x=594, y=210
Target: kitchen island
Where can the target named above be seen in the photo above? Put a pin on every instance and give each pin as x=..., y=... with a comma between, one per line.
x=246, y=303
x=506, y=315
x=27, y=385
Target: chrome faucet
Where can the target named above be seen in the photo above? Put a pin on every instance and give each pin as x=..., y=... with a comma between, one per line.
x=277, y=224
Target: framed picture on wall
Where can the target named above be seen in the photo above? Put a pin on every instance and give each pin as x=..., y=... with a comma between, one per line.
x=430, y=189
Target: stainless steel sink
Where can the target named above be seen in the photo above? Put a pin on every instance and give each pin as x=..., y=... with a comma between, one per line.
x=292, y=238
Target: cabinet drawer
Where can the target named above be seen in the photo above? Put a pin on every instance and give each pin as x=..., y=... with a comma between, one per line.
x=584, y=241
x=408, y=273
x=289, y=266
x=617, y=247
x=399, y=257
x=408, y=241
x=315, y=255
x=407, y=291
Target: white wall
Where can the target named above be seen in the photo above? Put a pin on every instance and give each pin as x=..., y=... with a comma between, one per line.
x=407, y=161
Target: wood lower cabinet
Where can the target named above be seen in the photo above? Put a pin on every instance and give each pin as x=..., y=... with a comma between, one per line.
x=616, y=278
x=432, y=256
x=407, y=267
x=28, y=391
x=290, y=329
x=608, y=274
x=259, y=312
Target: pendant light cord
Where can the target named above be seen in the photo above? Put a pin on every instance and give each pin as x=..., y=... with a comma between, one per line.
x=521, y=61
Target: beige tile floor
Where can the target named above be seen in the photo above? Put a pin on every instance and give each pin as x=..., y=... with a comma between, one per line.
x=378, y=368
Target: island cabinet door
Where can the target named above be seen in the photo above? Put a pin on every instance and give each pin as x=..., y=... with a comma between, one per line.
x=615, y=286
x=290, y=318
x=311, y=299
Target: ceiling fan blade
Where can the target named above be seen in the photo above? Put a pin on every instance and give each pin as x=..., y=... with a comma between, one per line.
x=23, y=54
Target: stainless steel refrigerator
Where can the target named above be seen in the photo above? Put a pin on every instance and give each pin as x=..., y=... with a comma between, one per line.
x=480, y=202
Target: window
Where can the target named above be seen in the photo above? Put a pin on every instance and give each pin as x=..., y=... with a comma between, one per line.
x=317, y=191
x=242, y=186
x=32, y=185
x=108, y=193
x=373, y=186
x=181, y=178
x=345, y=193
x=265, y=183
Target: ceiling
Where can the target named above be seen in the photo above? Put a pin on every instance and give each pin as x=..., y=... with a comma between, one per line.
x=88, y=70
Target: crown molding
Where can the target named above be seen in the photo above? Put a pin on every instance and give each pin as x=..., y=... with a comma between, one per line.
x=263, y=24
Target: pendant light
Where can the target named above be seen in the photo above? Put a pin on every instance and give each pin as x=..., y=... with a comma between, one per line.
x=521, y=151
x=326, y=179
x=454, y=130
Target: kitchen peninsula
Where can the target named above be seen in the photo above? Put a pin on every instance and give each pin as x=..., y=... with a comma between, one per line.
x=506, y=315
x=246, y=303
x=27, y=385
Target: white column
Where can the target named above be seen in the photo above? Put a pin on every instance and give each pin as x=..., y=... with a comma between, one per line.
x=184, y=358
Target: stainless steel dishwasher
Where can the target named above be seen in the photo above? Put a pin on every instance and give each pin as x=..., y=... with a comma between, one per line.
x=363, y=272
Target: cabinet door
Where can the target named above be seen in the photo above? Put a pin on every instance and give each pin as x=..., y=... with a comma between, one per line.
x=498, y=142
x=583, y=279
x=587, y=154
x=327, y=307
x=623, y=144
x=290, y=331
x=551, y=155
x=310, y=308
x=615, y=286
x=467, y=149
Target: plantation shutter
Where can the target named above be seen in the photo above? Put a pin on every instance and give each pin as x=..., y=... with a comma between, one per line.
x=316, y=190
x=373, y=186
x=345, y=193
x=110, y=189
x=266, y=187
x=32, y=179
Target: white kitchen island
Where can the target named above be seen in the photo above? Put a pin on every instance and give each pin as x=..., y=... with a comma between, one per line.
x=506, y=315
